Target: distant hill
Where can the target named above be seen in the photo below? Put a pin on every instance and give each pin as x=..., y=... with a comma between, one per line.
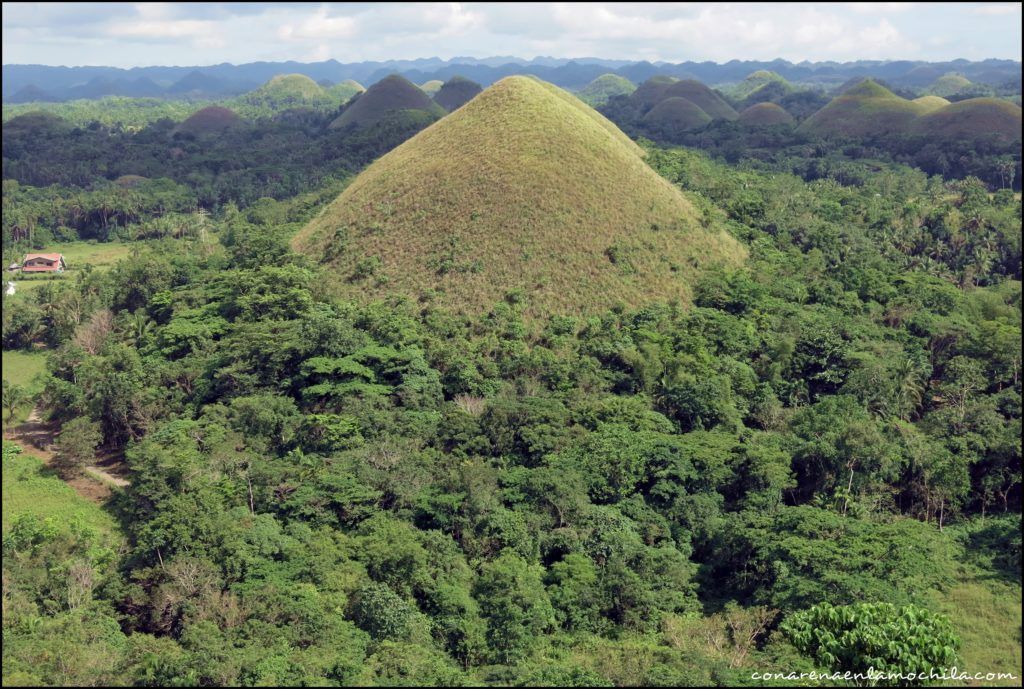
x=527, y=193
x=675, y=115
x=286, y=91
x=456, y=92
x=702, y=96
x=949, y=85
x=390, y=95
x=864, y=109
x=652, y=91
x=209, y=120
x=344, y=91
x=765, y=115
x=972, y=119
x=597, y=92
x=431, y=87
x=755, y=81
x=32, y=94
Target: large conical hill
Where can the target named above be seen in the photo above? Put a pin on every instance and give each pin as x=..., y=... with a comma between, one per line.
x=390, y=95
x=524, y=191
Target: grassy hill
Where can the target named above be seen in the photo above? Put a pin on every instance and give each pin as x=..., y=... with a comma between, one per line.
x=344, y=91
x=949, y=85
x=652, y=90
x=765, y=115
x=597, y=92
x=209, y=120
x=431, y=87
x=973, y=118
x=389, y=95
x=675, y=115
x=866, y=108
x=930, y=103
x=755, y=81
x=702, y=96
x=524, y=193
x=456, y=92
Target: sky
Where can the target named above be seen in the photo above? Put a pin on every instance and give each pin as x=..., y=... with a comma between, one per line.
x=144, y=34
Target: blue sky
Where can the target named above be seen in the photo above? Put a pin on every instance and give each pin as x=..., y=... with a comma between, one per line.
x=128, y=35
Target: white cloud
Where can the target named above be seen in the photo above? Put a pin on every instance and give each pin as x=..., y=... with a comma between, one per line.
x=997, y=10
x=318, y=26
x=881, y=7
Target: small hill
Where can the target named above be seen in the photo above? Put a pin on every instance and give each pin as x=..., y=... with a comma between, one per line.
x=36, y=123
x=675, y=115
x=197, y=83
x=930, y=103
x=702, y=96
x=209, y=120
x=296, y=88
x=286, y=91
x=974, y=118
x=949, y=85
x=652, y=90
x=31, y=94
x=343, y=92
x=597, y=92
x=431, y=87
x=129, y=181
x=755, y=81
x=456, y=92
x=864, y=109
x=524, y=189
x=390, y=95
x=765, y=115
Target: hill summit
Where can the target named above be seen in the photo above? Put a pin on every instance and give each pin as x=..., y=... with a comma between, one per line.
x=209, y=120
x=523, y=193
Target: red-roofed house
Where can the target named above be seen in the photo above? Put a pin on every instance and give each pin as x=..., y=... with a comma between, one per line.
x=43, y=263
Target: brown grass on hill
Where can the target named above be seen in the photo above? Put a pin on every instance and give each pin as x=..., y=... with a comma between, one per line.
x=523, y=190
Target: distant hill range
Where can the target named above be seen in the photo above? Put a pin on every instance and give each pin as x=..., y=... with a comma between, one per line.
x=34, y=83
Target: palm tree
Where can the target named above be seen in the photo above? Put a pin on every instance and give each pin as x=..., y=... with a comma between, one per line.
x=13, y=397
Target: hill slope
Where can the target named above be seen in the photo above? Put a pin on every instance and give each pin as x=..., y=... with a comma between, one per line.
x=391, y=94
x=931, y=103
x=524, y=188
x=865, y=109
x=345, y=90
x=597, y=92
x=431, y=87
x=456, y=92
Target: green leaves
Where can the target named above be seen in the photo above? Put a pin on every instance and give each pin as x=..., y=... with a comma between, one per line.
x=879, y=636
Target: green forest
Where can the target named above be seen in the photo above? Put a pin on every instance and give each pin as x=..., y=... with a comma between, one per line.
x=809, y=462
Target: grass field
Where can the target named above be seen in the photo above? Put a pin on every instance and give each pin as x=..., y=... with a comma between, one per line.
x=986, y=613
x=21, y=368
x=29, y=489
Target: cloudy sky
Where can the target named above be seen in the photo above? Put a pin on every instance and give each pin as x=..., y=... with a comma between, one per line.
x=127, y=34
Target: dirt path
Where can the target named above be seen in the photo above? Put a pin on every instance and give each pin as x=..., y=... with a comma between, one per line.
x=36, y=438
